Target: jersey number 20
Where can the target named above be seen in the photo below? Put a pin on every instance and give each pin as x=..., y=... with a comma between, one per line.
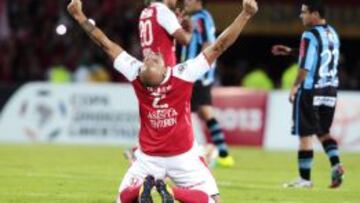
x=146, y=34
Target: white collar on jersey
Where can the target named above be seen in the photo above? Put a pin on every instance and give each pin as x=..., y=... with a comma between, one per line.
x=167, y=76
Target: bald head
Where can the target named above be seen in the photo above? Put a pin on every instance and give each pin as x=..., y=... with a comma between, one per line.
x=151, y=77
x=153, y=73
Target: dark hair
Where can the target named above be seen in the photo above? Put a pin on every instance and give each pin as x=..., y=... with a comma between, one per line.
x=203, y=1
x=315, y=6
x=148, y=2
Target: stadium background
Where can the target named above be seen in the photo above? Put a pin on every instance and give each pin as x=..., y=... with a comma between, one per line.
x=28, y=37
x=57, y=87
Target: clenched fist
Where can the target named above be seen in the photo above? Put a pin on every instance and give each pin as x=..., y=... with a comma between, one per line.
x=75, y=9
x=250, y=7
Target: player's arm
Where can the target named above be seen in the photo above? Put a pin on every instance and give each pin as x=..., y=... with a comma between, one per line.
x=232, y=32
x=306, y=62
x=192, y=69
x=182, y=37
x=168, y=20
x=282, y=50
x=206, y=45
x=302, y=73
x=111, y=48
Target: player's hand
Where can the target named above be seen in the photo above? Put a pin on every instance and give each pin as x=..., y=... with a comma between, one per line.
x=281, y=50
x=75, y=9
x=293, y=92
x=180, y=14
x=250, y=7
x=184, y=20
x=187, y=24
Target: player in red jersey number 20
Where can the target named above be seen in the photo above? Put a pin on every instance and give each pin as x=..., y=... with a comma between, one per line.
x=159, y=28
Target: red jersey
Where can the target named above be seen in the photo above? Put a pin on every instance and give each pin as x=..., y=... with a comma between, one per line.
x=157, y=24
x=165, y=112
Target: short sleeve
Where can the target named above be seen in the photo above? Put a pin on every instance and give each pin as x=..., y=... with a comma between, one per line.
x=127, y=65
x=167, y=19
x=192, y=69
x=308, y=51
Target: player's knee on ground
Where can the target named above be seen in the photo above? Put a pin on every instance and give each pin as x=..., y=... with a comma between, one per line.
x=192, y=196
x=124, y=198
x=128, y=195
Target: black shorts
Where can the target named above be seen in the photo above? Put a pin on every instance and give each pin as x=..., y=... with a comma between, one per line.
x=313, y=111
x=201, y=96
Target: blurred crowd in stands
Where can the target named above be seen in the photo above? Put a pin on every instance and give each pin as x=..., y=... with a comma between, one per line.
x=34, y=48
x=31, y=47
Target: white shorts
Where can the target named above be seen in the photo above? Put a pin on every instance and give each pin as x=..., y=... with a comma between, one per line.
x=186, y=170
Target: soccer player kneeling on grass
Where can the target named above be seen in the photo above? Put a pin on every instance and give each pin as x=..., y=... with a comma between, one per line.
x=167, y=147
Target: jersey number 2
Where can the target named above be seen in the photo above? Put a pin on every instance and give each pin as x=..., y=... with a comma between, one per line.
x=157, y=99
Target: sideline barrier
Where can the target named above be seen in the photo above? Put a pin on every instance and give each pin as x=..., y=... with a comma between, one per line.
x=241, y=114
x=108, y=114
x=86, y=114
x=345, y=128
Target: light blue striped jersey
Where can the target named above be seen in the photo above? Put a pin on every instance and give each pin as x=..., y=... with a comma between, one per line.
x=204, y=31
x=319, y=54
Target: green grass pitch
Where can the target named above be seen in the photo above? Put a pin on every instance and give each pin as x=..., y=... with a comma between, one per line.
x=81, y=174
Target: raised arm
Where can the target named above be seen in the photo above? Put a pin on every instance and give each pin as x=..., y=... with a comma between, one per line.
x=282, y=50
x=231, y=33
x=111, y=48
x=178, y=27
x=183, y=36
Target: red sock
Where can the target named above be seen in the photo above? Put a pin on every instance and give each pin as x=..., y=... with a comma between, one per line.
x=190, y=196
x=130, y=194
